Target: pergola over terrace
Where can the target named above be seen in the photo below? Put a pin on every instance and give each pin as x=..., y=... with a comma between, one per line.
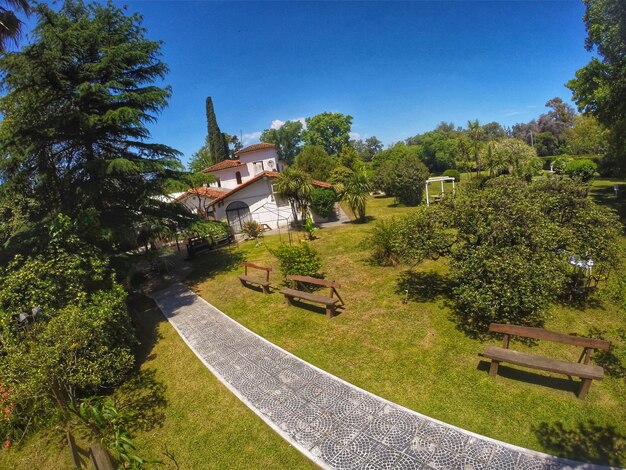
x=442, y=179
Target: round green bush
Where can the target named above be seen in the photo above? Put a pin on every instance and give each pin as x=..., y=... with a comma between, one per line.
x=582, y=170
x=323, y=202
x=456, y=174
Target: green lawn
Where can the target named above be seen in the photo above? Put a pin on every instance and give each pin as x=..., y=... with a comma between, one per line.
x=413, y=353
x=410, y=353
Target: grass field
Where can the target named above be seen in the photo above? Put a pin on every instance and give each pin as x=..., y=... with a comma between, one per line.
x=410, y=353
x=413, y=353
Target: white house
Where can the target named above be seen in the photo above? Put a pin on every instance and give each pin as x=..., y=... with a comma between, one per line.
x=245, y=190
x=252, y=160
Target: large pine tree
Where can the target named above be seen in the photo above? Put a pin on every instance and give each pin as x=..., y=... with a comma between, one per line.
x=74, y=134
x=218, y=144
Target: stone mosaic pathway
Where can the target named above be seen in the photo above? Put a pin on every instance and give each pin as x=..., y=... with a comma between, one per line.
x=332, y=422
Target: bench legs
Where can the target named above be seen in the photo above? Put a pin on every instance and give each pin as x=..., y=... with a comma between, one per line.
x=330, y=311
x=266, y=289
x=288, y=300
x=493, y=368
x=584, y=388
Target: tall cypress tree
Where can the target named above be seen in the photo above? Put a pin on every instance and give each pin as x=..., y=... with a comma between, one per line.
x=217, y=141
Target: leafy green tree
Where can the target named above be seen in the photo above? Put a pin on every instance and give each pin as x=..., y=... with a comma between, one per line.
x=77, y=102
x=438, y=148
x=314, y=160
x=356, y=192
x=232, y=144
x=287, y=139
x=348, y=157
x=10, y=24
x=403, y=178
x=202, y=158
x=587, y=136
x=218, y=141
x=493, y=131
x=368, y=148
x=476, y=136
x=296, y=186
x=600, y=87
x=330, y=130
x=340, y=175
x=510, y=243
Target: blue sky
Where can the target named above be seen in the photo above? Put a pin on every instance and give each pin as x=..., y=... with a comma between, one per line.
x=397, y=68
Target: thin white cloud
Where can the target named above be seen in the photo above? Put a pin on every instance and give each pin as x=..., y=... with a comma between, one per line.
x=247, y=139
x=354, y=135
x=277, y=124
x=514, y=113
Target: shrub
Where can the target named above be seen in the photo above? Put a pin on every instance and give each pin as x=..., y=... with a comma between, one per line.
x=386, y=242
x=310, y=228
x=559, y=164
x=403, y=178
x=300, y=259
x=456, y=174
x=323, y=202
x=582, y=170
x=252, y=229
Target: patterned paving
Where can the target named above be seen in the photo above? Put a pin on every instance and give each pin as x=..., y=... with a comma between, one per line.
x=332, y=422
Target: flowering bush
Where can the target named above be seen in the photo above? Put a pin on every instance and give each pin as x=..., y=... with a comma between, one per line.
x=7, y=410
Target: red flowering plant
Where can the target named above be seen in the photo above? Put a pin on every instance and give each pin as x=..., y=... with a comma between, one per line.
x=7, y=411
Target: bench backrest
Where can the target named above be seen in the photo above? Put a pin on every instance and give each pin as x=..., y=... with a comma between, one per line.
x=256, y=266
x=314, y=280
x=540, y=333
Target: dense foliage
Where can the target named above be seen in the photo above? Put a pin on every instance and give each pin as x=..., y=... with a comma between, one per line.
x=301, y=259
x=330, y=130
x=287, y=139
x=404, y=178
x=74, y=134
x=323, y=202
x=295, y=186
x=74, y=338
x=218, y=144
x=510, y=242
x=314, y=160
x=600, y=86
x=355, y=193
x=582, y=170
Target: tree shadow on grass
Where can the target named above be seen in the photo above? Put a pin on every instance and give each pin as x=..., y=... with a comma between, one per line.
x=208, y=265
x=423, y=286
x=142, y=396
x=586, y=442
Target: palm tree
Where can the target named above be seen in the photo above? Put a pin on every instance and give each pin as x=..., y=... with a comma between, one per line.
x=10, y=24
x=356, y=192
x=295, y=186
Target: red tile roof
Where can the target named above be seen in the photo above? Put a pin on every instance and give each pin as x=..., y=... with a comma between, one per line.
x=212, y=193
x=255, y=147
x=223, y=165
x=270, y=174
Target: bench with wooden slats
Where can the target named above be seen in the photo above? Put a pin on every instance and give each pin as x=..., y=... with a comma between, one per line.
x=247, y=279
x=587, y=372
x=330, y=302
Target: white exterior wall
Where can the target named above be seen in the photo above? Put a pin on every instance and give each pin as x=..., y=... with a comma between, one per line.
x=263, y=206
x=268, y=157
x=228, y=177
x=191, y=203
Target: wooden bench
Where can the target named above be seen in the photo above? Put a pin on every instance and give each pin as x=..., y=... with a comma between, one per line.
x=245, y=279
x=197, y=245
x=587, y=372
x=329, y=302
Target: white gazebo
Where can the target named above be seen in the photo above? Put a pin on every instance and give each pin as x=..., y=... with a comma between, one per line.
x=435, y=179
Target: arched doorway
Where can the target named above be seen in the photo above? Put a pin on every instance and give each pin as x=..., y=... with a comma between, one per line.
x=237, y=213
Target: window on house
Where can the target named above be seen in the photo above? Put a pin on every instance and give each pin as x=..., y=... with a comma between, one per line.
x=219, y=183
x=238, y=176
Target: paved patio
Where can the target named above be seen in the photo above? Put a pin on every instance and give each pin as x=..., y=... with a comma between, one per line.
x=332, y=422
